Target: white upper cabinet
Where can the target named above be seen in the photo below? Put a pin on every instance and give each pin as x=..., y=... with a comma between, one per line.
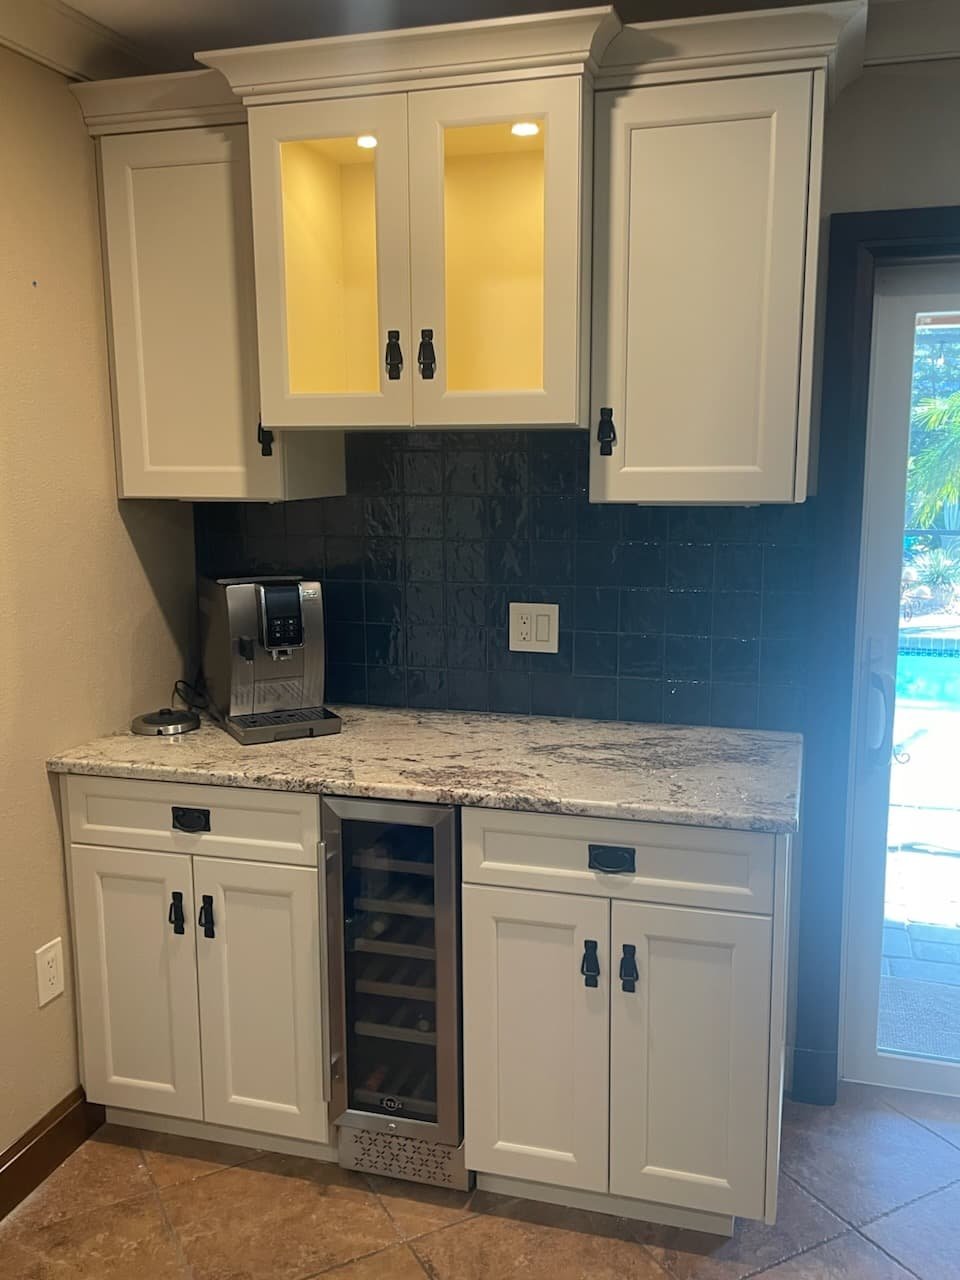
x=179, y=261
x=333, y=262
x=708, y=153
x=702, y=237
x=496, y=221
x=422, y=255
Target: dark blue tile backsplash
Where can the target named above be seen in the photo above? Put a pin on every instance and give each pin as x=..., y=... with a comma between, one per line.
x=682, y=615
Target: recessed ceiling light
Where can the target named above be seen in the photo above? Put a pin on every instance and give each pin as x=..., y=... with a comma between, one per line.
x=366, y=140
x=524, y=129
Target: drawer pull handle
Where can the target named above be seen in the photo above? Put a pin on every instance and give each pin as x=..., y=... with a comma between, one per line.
x=606, y=433
x=175, y=914
x=190, y=820
x=590, y=964
x=629, y=973
x=205, y=917
x=613, y=859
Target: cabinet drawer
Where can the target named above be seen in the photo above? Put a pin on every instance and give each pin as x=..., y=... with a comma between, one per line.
x=686, y=866
x=228, y=822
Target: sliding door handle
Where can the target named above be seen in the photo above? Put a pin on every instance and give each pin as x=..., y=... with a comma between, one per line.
x=884, y=684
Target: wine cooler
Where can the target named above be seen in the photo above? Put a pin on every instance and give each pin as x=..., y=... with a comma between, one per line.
x=393, y=892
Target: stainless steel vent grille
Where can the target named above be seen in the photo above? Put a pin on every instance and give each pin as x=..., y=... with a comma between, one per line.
x=396, y=1156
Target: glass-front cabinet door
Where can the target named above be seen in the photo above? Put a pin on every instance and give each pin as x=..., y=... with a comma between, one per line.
x=331, y=241
x=496, y=233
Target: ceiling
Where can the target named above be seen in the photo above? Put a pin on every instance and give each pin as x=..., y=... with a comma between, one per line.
x=167, y=33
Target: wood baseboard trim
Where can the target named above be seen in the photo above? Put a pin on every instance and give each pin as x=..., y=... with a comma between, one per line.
x=45, y=1146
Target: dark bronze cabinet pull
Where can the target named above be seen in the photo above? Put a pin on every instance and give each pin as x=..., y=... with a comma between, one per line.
x=426, y=355
x=606, y=433
x=393, y=358
x=205, y=918
x=175, y=914
x=629, y=973
x=590, y=964
x=190, y=820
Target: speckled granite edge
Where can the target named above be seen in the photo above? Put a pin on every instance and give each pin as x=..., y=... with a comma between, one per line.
x=732, y=779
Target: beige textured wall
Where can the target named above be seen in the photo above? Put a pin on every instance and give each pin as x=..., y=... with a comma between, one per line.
x=95, y=599
x=889, y=139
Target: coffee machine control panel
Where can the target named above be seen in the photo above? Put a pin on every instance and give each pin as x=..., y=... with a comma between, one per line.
x=281, y=620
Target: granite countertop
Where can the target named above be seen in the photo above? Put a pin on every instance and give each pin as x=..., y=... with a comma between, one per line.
x=732, y=778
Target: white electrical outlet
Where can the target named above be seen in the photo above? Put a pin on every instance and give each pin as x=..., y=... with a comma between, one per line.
x=49, y=971
x=534, y=628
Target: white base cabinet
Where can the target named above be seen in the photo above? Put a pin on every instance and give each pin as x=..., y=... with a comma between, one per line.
x=200, y=988
x=137, y=980
x=688, y=1057
x=259, y=997
x=624, y=1047
x=535, y=1078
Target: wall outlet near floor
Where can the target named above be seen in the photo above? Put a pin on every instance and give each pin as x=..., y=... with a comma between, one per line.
x=534, y=628
x=49, y=971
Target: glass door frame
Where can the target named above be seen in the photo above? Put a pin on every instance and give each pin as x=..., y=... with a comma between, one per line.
x=901, y=293
x=443, y=821
x=559, y=101
x=385, y=117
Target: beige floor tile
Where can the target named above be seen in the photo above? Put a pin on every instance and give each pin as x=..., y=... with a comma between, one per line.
x=862, y=1158
x=171, y=1159
x=106, y=1169
x=942, y=1115
x=416, y=1209
x=924, y=1236
x=397, y=1263
x=495, y=1248
x=127, y=1241
x=278, y=1218
x=847, y=1258
x=801, y=1223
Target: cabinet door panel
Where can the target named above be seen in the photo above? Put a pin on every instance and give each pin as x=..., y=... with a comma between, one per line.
x=496, y=220
x=261, y=1003
x=700, y=288
x=176, y=209
x=689, y=1058
x=137, y=980
x=535, y=1036
x=330, y=222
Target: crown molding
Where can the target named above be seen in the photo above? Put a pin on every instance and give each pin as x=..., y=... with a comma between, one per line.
x=572, y=40
x=828, y=36
x=921, y=31
x=64, y=40
x=177, y=100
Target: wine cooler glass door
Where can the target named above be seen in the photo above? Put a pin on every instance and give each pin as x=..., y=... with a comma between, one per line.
x=392, y=915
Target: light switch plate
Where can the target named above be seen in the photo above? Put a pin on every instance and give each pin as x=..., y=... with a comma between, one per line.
x=534, y=628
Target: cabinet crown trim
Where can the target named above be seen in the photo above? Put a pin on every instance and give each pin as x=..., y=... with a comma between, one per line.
x=177, y=100
x=808, y=37
x=573, y=40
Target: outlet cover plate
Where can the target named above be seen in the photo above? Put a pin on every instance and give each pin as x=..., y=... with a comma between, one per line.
x=534, y=628
x=49, y=971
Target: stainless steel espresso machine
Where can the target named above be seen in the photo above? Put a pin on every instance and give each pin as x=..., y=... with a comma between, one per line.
x=263, y=657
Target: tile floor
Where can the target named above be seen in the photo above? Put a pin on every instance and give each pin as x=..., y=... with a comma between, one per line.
x=870, y=1191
